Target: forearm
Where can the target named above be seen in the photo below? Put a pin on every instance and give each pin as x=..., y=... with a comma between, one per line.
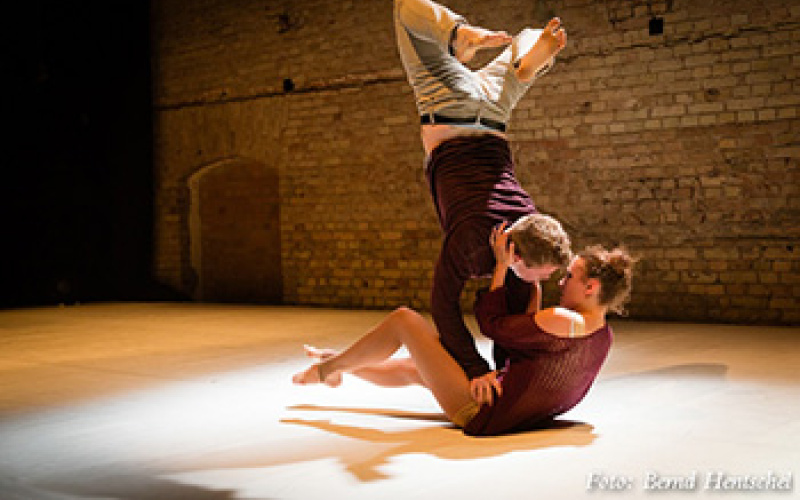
x=456, y=338
x=503, y=250
x=511, y=331
x=449, y=278
x=498, y=277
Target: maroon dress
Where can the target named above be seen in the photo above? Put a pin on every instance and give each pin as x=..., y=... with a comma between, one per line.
x=545, y=375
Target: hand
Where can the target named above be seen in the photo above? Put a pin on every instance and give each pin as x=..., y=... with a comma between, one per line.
x=503, y=250
x=481, y=388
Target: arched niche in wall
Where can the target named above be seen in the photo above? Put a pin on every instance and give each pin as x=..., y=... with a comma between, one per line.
x=234, y=231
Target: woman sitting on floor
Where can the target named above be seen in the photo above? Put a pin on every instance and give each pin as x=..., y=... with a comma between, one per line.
x=555, y=354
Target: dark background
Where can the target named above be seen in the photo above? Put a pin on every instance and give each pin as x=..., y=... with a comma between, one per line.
x=77, y=194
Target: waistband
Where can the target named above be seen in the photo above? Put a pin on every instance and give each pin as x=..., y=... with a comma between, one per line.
x=431, y=118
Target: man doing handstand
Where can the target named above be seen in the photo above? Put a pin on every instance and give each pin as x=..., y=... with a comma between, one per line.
x=469, y=165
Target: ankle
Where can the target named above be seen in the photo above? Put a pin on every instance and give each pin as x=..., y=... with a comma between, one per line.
x=538, y=60
x=325, y=370
x=452, y=45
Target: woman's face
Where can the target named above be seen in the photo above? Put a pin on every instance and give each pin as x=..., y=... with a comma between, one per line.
x=573, y=285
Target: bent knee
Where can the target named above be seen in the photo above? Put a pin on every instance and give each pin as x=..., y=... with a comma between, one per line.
x=413, y=321
x=406, y=314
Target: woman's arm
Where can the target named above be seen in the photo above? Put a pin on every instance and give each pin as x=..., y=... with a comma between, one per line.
x=525, y=331
x=535, y=328
x=514, y=331
x=503, y=255
x=491, y=310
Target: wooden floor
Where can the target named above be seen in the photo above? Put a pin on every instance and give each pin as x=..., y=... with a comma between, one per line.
x=189, y=401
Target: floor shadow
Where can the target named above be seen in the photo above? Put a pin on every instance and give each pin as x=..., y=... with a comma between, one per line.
x=448, y=442
x=401, y=414
x=444, y=442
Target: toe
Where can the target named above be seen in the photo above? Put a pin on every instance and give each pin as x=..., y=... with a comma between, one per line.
x=561, y=36
x=553, y=25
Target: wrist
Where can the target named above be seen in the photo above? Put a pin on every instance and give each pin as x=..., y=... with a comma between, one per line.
x=498, y=278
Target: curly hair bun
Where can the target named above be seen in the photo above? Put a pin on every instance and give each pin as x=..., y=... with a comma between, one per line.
x=614, y=269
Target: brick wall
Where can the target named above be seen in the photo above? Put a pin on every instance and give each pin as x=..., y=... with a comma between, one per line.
x=683, y=146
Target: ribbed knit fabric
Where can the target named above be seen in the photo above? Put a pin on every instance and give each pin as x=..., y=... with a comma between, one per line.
x=545, y=375
x=473, y=176
x=473, y=187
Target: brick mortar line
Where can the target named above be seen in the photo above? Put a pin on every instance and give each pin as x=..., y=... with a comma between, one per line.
x=310, y=89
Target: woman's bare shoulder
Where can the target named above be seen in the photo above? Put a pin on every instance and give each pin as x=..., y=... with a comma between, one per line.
x=561, y=322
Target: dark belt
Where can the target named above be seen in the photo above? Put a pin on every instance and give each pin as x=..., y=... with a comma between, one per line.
x=434, y=118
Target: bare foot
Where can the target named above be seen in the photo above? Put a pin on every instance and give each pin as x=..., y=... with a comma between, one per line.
x=469, y=39
x=312, y=374
x=552, y=40
x=308, y=376
x=319, y=354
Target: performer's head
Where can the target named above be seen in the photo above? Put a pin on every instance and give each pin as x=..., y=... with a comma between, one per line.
x=541, y=246
x=598, y=278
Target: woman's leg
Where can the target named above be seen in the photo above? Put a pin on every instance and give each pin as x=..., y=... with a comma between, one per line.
x=403, y=327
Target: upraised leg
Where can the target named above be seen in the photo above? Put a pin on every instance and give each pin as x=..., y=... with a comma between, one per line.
x=403, y=327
